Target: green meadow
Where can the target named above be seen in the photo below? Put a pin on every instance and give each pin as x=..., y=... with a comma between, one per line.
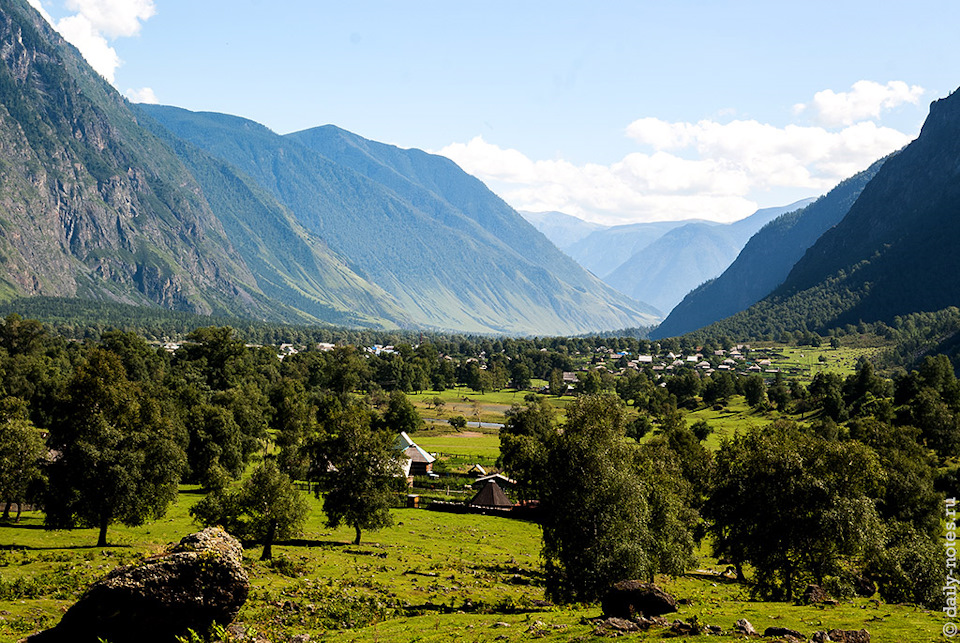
x=430, y=577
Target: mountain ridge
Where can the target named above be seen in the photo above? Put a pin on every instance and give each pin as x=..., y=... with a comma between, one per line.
x=335, y=202
x=765, y=260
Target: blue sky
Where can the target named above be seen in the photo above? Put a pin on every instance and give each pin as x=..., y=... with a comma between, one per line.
x=621, y=112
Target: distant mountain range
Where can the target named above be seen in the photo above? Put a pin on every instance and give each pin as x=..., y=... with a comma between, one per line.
x=891, y=254
x=657, y=262
x=208, y=213
x=562, y=229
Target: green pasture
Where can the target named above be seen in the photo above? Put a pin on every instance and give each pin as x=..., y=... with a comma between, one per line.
x=430, y=577
x=805, y=362
x=467, y=447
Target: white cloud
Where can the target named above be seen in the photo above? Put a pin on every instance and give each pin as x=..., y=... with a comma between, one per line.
x=708, y=169
x=866, y=100
x=95, y=23
x=81, y=33
x=142, y=95
x=114, y=18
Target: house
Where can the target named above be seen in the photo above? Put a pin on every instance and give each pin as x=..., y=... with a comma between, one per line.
x=416, y=462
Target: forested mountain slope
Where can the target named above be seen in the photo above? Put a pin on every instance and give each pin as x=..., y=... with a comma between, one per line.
x=446, y=248
x=765, y=261
x=92, y=205
x=892, y=254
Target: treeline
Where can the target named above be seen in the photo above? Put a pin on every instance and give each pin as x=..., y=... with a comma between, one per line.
x=853, y=501
x=82, y=319
x=101, y=432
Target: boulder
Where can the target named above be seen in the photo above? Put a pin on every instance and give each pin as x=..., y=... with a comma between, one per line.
x=773, y=632
x=630, y=598
x=849, y=636
x=865, y=587
x=195, y=583
x=743, y=626
x=814, y=594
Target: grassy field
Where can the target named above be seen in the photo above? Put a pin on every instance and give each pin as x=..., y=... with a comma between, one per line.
x=430, y=577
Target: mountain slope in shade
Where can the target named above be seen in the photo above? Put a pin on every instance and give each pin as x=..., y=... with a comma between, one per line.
x=686, y=256
x=765, y=261
x=562, y=229
x=450, y=252
x=892, y=254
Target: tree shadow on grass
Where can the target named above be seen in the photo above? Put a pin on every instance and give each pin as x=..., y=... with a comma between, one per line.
x=303, y=542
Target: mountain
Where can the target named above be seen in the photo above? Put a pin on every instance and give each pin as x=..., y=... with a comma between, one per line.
x=766, y=260
x=100, y=201
x=97, y=206
x=686, y=256
x=892, y=254
x=78, y=180
x=602, y=251
x=562, y=229
x=449, y=251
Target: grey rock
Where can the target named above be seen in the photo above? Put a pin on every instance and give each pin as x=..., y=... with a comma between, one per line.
x=195, y=583
x=629, y=598
x=743, y=626
x=849, y=636
x=783, y=631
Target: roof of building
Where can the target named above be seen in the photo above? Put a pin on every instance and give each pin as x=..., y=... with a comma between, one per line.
x=499, y=478
x=491, y=496
x=411, y=449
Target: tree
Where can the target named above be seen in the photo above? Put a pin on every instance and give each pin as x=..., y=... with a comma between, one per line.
x=793, y=505
x=22, y=450
x=119, y=458
x=594, y=527
x=401, y=414
x=215, y=452
x=755, y=390
x=556, y=384
x=356, y=466
x=293, y=425
x=260, y=509
x=523, y=443
x=458, y=422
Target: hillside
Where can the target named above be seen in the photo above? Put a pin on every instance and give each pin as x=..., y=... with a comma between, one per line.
x=93, y=206
x=602, y=251
x=99, y=206
x=562, y=229
x=891, y=254
x=686, y=256
x=436, y=239
x=765, y=261
x=102, y=202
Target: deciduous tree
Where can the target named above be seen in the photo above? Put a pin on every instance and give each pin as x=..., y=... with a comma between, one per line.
x=117, y=457
x=261, y=509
